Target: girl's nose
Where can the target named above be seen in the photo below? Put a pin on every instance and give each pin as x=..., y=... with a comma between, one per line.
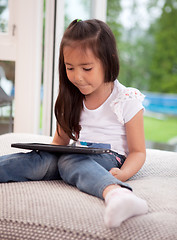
x=78, y=76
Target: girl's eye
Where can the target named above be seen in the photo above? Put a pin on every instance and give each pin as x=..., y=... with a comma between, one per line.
x=69, y=69
x=87, y=69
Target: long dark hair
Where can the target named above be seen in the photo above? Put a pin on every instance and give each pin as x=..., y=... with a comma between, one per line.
x=97, y=36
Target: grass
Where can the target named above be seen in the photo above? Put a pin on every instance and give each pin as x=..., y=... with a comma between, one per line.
x=158, y=130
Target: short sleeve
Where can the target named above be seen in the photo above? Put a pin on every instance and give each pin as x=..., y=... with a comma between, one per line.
x=131, y=108
x=127, y=104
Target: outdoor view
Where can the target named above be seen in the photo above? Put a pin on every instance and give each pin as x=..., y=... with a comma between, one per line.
x=4, y=15
x=146, y=36
x=7, y=78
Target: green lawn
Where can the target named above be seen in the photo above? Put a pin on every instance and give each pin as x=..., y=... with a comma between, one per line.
x=157, y=130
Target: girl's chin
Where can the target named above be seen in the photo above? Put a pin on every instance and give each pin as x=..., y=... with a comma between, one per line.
x=85, y=91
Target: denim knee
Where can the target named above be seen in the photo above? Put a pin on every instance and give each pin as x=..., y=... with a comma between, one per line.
x=67, y=164
x=28, y=166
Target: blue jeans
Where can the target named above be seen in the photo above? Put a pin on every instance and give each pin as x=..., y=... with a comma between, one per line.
x=89, y=173
x=31, y=166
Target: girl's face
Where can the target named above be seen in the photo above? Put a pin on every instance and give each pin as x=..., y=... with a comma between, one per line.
x=84, y=70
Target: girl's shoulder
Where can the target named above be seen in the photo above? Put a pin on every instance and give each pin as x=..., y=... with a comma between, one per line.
x=127, y=93
x=127, y=102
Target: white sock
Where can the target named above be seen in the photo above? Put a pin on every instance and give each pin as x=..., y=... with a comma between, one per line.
x=122, y=204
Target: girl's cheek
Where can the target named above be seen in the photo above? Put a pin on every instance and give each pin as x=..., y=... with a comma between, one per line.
x=69, y=76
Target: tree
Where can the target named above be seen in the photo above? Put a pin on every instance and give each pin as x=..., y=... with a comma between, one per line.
x=113, y=12
x=132, y=47
x=164, y=59
x=148, y=59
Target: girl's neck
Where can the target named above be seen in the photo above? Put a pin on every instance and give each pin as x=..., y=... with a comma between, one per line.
x=95, y=100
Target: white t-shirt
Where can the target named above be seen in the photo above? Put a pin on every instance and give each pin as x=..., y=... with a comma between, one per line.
x=106, y=124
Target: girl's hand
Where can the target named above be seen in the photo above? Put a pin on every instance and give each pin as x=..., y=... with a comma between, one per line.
x=117, y=173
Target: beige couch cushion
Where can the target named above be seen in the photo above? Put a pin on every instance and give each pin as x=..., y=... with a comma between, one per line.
x=54, y=210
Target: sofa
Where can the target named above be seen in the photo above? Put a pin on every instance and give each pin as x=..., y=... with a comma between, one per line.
x=54, y=210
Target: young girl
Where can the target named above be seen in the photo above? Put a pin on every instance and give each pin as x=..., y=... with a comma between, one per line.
x=92, y=109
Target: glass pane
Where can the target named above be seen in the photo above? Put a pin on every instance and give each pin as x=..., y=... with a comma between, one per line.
x=7, y=83
x=4, y=15
x=146, y=37
x=76, y=9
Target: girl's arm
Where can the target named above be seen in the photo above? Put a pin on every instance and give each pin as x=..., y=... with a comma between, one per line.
x=61, y=139
x=136, y=146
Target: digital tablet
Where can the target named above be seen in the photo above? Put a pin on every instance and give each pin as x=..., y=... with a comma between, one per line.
x=60, y=148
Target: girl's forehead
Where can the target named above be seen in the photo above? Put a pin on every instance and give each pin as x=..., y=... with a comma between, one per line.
x=69, y=51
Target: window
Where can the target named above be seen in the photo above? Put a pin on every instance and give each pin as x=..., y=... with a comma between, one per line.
x=4, y=15
x=21, y=43
x=7, y=66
